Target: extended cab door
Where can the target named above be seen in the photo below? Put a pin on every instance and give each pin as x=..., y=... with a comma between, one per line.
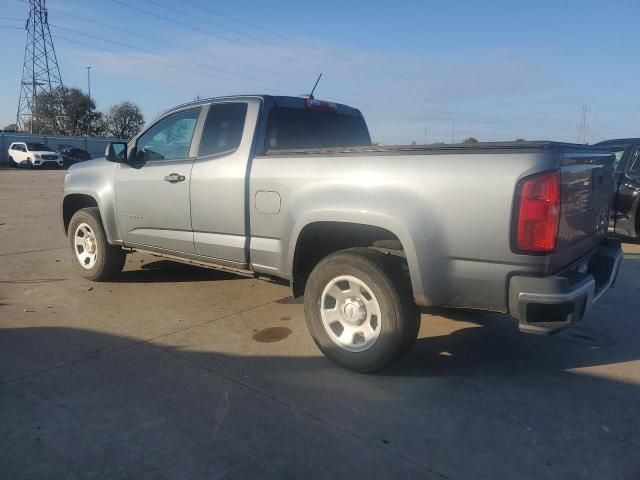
x=219, y=181
x=152, y=189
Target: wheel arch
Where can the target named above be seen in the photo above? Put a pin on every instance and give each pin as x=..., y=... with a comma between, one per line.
x=73, y=202
x=317, y=237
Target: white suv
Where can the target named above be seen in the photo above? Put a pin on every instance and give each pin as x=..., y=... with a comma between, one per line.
x=31, y=155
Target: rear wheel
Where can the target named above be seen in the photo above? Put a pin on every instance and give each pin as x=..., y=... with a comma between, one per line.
x=359, y=309
x=93, y=257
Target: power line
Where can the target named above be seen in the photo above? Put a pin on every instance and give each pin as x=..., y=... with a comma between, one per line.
x=192, y=27
x=173, y=21
x=252, y=25
x=170, y=57
x=297, y=58
x=171, y=44
x=138, y=57
x=232, y=30
x=313, y=48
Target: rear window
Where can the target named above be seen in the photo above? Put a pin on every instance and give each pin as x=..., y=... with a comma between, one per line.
x=291, y=128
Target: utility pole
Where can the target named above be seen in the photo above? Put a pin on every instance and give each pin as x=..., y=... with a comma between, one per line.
x=425, y=134
x=89, y=81
x=453, y=131
x=40, y=71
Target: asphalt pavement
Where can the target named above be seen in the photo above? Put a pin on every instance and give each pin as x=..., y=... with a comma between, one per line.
x=177, y=372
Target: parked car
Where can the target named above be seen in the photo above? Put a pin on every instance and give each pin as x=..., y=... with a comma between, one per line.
x=292, y=188
x=33, y=155
x=625, y=218
x=71, y=155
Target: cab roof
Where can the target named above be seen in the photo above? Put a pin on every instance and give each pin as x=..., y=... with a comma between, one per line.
x=278, y=100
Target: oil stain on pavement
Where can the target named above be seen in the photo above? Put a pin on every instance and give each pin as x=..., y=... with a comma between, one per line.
x=271, y=334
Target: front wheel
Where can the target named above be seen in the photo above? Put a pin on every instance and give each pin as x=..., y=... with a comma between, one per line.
x=359, y=309
x=93, y=257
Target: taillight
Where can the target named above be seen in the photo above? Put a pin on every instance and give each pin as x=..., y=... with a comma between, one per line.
x=538, y=213
x=320, y=105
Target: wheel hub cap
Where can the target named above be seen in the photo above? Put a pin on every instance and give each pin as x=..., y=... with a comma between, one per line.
x=90, y=245
x=350, y=313
x=85, y=246
x=354, y=311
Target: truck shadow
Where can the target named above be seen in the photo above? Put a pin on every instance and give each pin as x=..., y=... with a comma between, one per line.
x=445, y=400
x=168, y=271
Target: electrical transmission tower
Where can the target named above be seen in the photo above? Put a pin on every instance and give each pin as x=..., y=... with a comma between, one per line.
x=582, y=131
x=40, y=71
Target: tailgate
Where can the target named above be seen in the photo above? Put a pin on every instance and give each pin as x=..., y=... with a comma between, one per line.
x=586, y=192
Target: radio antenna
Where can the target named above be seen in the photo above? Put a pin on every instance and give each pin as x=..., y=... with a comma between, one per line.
x=314, y=86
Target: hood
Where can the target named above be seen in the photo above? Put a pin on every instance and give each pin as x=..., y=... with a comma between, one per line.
x=93, y=163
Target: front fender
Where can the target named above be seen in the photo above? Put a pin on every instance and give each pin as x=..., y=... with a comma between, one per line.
x=95, y=178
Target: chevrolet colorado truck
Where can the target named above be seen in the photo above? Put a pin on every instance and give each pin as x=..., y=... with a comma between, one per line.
x=291, y=188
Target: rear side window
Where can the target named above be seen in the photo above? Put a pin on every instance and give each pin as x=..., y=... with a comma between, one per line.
x=223, y=128
x=290, y=128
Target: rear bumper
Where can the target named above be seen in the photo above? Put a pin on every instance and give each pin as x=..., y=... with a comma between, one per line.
x=547, y=304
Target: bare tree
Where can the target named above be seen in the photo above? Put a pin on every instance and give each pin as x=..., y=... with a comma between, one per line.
x=123, y=120
x=470, y=140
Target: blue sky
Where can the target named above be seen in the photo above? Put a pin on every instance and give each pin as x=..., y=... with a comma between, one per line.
x=500, y=70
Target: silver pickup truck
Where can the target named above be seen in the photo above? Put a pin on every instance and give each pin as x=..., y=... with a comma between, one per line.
x=292, y=188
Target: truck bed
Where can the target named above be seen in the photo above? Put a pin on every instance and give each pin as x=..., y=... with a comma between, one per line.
x=434, y=149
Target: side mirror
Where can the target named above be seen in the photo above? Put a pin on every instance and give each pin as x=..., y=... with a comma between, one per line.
x=116, y=152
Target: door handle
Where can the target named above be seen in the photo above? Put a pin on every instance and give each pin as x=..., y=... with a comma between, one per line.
x=174, y=178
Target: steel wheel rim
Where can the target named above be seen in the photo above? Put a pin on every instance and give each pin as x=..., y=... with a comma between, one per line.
x=350, y=313
x=85, y=246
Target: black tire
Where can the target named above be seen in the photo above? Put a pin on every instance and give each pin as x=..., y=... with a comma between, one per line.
x=12, y=164
x=385, y=277
x=109, y=259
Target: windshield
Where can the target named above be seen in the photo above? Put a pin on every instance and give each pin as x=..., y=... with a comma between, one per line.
x=38, y=147
x=297, y=128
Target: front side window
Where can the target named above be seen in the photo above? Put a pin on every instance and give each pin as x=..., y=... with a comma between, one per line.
x=170, y=138
x=223, y=128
